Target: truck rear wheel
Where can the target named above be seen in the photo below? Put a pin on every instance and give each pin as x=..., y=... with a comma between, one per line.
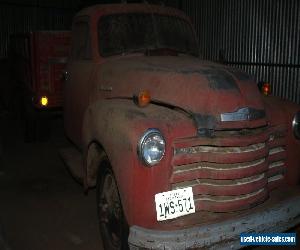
x=37, y=124
x=30, y=126
x=112, y=222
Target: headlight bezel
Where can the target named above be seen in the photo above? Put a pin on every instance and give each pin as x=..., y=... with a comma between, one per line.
x=141, y=145
x=296, y=125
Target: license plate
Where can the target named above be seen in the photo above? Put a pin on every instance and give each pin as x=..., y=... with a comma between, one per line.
x=175, y=203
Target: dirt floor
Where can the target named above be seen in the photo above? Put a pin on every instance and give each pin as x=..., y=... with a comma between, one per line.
x=41, y=206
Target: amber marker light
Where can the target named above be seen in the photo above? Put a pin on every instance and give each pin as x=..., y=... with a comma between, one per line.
x=44, y=101
x=266, y=88
x=144, y=98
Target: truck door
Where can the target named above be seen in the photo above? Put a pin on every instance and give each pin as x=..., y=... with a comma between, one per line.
x=77, y=85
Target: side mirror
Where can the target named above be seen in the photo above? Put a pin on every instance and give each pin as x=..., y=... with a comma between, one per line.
x=65, y=76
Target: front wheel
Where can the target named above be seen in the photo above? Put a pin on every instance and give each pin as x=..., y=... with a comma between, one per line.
x=112, y=222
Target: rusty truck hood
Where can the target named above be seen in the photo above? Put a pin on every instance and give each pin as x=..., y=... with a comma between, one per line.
x=201, y=87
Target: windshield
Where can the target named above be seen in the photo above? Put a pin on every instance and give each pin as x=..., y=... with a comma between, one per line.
x=125, y=33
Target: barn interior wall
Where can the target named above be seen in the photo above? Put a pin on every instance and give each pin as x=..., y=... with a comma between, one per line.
x=262, y=37
x=19, y=17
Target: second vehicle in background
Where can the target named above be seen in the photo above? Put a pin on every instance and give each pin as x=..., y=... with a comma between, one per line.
x=37, y=62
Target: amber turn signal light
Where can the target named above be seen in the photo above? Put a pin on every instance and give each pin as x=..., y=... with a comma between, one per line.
x=44, y=101
x=266, y=88
x=144, y=98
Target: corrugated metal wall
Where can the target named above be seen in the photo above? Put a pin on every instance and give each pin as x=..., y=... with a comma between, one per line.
x=261, y=37
x=22, y=16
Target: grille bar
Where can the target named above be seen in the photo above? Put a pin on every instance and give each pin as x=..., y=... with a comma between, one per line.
x=218, y=171
x=276, y=150
x=230, y=203
x=221, y=199
x=220, y=150
x=224, y=187
x=225, y=158
x=275, y=178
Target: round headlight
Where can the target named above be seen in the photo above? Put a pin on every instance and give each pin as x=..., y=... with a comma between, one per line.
x=151, y=148
x=296, y=125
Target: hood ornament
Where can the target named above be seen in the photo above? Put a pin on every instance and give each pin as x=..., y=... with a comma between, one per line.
x=243, y=114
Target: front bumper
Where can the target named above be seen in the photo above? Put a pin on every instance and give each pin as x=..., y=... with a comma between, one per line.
x=275, y=215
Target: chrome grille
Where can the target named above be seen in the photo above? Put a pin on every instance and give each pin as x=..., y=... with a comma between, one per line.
x=233, y=171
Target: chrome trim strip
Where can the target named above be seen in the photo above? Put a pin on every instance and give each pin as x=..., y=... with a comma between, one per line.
x=243, y=114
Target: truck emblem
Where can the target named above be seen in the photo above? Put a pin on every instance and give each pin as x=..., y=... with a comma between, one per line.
x=243, y=114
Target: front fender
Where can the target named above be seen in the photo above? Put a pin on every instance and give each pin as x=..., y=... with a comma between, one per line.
x=117, y=125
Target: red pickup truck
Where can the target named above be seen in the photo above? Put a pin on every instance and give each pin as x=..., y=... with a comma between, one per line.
x=38, y=60
x=184, y=153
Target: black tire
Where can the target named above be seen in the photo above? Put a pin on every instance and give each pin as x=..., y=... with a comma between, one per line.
x=37, y=124
x=113, y=226
x=43, y=125
x=30, y=123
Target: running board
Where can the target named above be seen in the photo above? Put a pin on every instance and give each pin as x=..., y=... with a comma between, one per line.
x=74, y=161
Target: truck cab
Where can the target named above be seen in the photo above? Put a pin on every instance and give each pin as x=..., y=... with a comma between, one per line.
x=183, y=152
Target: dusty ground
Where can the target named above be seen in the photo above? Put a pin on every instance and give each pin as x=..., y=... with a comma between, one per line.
x=41, y=206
